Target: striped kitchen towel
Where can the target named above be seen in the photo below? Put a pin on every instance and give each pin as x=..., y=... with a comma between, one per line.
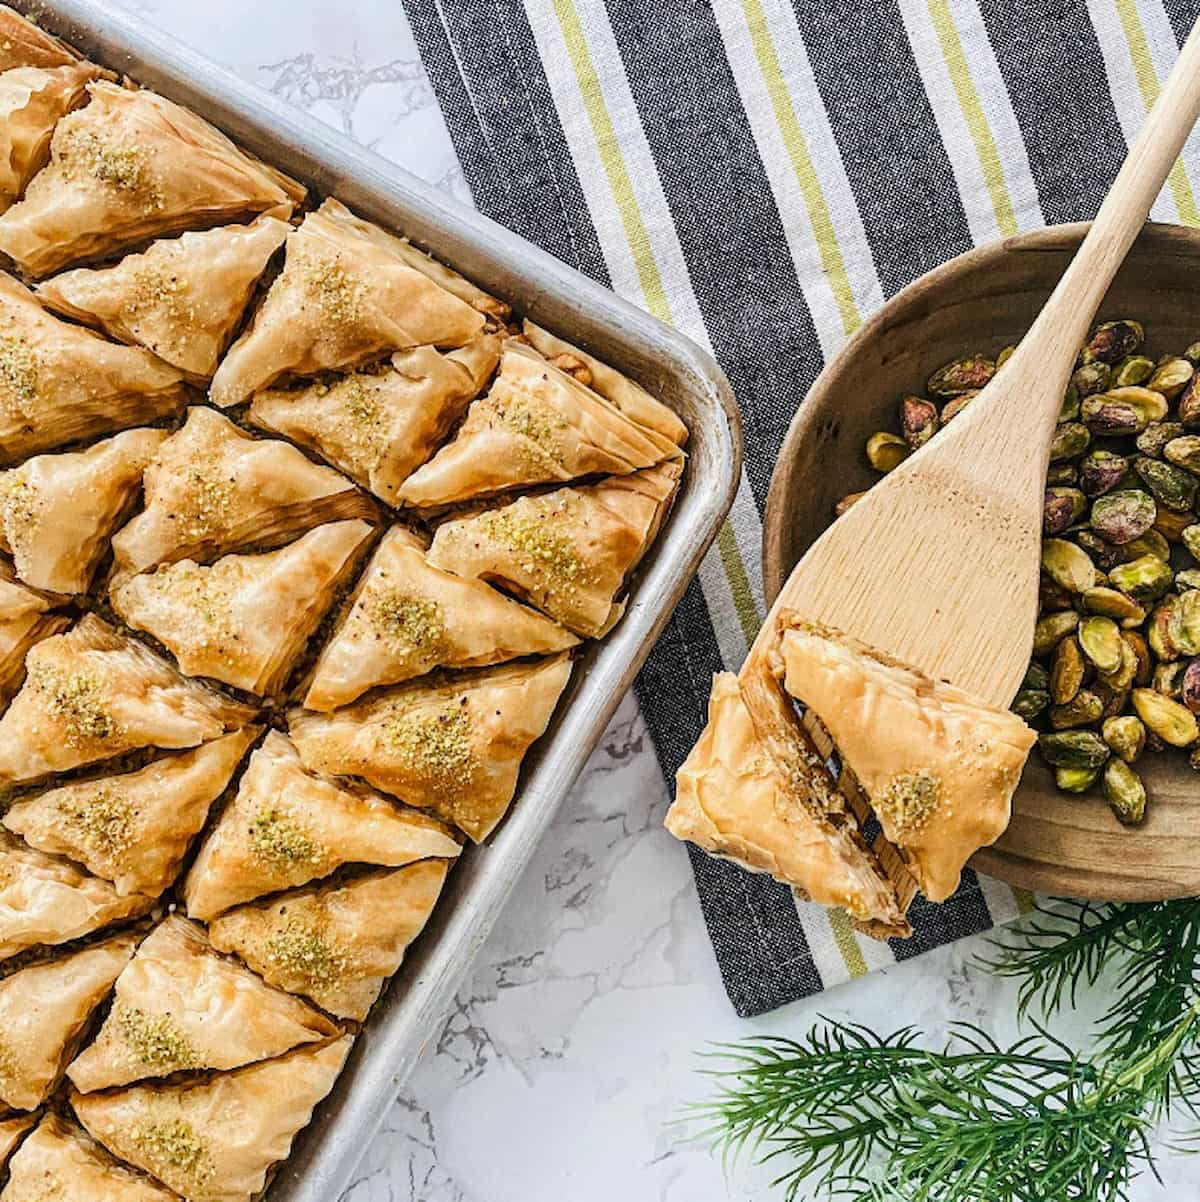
x=763, y=174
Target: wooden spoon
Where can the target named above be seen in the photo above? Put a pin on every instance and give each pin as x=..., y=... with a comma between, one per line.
x=938, y=564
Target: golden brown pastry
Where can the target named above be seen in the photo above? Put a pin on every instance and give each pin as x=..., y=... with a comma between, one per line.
x=180, y=1005
x=567, y=552
x=12, y=1131
x=60, y=1163
x=57, y=512
x=535, y=425
x=380, y=424
x=45, y=900
x=630, y=397
x=32, y=100
x=25, y=619
x=133, y=829
x=215, y=1140
x=92, y=694
x=344, y=297
x=287, y=826
x=938, y=765
x=453, y=745
x=60, y=383
x=336, y=943
x=130, y=166
x=245, y=619
x=213, y=489
x=408, y=617
x=181, y=298
x=24, y=44
x=43, y=1012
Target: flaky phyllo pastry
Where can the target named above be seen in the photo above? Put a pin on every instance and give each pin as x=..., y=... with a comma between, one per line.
x=12, y=1131
x=244, y=619
x=182, y=298
x=336, y=943
x=181, y=1006
x=133, y=828
x=381, y=423
x=535, y=425
x=24, y=44
x=60, y=383
x=93, y=693
x=26, y=617
x=58, y=512
x=129, y=166
x=345, y=296
x=214, y=1140
x=408, y=617
x=288, y=826
x=213, y=489
x=453, y=744
x=567, y=552
x=47, y=901
x=60, y=1162
x=43, y=1011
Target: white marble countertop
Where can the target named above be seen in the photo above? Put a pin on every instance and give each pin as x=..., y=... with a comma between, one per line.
x=572, y=1046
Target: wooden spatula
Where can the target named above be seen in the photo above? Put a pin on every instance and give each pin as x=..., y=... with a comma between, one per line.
x=938, y=564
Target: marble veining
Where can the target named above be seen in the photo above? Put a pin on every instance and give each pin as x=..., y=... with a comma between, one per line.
x=562, y=1071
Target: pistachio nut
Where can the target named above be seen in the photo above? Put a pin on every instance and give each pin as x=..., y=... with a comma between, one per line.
x=1189, y=686
x=1159, y=631
x=1168, y=679
x=1141, y=652
x=1053, y=596
x=1051, y=629
x=1144, y=579
x=1124, y=792
x=1184, y=452
x=918, y=420
x=1086, y=708
x=1069, y=442
x=954, y=407
x=1028, y=703
x=849, y=499
x=1171, y=486
x=1125, y=736
x=1068, y=565
x=1187, y=580
x=1091, y=378
x=1073, y=749
x=1061, y=508
x=1120, y=680
x=1150, y=543
x=886, y=451
x=1136, y=369
x=1062, y=473
x=1066, y=671
x=1185, y=623
x=1107, y=418
x=968, y=374
x=1004, y=356
x=1113, y=604
x=1120, y=517
x=1101, y=471
x=1068, y=409
x=1103, y=554
x=1188, y=404
x=1190, y=537
x=1171, y=524
x=1151, y=406
x=1075, y=780
x=1171, y=376
x=1112, y=341
x=1036, y=677
x=1174, y=723
x=1156, y=436
x=1100, y=641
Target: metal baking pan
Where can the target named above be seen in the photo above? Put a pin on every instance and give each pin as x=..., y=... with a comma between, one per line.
x=537, y=285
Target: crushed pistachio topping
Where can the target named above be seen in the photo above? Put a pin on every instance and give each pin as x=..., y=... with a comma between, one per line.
x=281, y=840
x=123, y=165
x=406, y=621
x=207, y=595
x=77, y=700
x=205, y=500
x=547, y=552
x=20, y=504
x=335, y=289
x=154, y=1039
x=909, y=801
x=174, y=1143
x=103, y=821
x=299, y=950
x=10, y=1064
x=434, y=745
x=154, y=287
x=533, y=420
x=19, y=370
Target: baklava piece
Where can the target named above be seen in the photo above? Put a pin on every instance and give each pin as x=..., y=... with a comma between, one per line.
x=91, y=694
x=133, y=829
x=58, y=512
x=214, y=489
x=245, y=619
x=408, y=617
x=287, y=826
x=535, y=425
x=182, y=298
x=26, y=618
x=181, y=1006
x=567, y=552
x=453, y=745
x=344, y=297
x=24, y=44
x=12, y=1131
x=130, y=166
x=336, y=943
x=380, y=424
x=60, y=383
x=43, y=1012
x=215, y=1140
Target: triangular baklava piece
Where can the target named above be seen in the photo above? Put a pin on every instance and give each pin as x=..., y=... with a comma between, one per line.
x=60, y=383
x=24, y=44
x=133, y=829
x=43, y=1011
x=216, y=1140
x=25, y=619
x=535, y=425
x=567, y=552
x=408, y=617
x=57, y=512
x=32, y=101
x=342, y=299
x=129, y=166
x=453, y=745
x=213, y=489
x=45, y=900
x=245, y=619
x=61, y=1163
x=380, y=424
x=287, y=826
x=92, y=694
x=335, y=943
x=181, y=1006
x=181, y=298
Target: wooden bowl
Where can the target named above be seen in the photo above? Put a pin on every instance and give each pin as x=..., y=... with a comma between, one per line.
x=982, y=301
